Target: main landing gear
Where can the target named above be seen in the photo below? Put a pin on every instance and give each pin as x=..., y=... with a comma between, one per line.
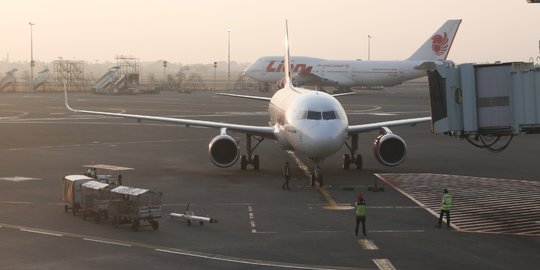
x=250, y=159
x=353, y=157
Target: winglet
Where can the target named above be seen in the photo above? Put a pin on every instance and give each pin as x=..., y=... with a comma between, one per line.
x=286, y=62
x=66, y=99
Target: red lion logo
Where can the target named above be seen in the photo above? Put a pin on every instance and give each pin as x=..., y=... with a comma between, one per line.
x=440, y=44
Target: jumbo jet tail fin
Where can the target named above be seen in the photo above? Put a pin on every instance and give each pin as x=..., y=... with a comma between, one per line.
x=438, y=45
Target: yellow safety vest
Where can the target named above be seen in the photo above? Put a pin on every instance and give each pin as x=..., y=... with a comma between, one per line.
x=447, y=202
x=360, y=209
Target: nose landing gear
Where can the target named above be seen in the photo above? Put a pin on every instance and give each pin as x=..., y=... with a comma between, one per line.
x=317, y=176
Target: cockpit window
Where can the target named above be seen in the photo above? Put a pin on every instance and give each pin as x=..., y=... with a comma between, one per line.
x=316, y=115
x=313, y=115
x=329, y=115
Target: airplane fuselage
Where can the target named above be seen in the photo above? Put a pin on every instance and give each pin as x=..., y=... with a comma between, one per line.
x=309, y=122
x=309, y=70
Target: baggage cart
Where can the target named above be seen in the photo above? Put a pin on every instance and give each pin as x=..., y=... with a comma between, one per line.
x=133, y=206
x=72, y=192
x=96, y=200
x=105, y=173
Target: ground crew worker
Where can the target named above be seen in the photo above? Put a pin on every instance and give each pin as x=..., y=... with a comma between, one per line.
x=287, y=175
x=446, y=206
x=360, y=209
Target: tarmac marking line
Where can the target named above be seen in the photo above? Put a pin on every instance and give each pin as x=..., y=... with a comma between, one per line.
x=252, y=219
x=397, y=231
x=367, y=244
x=384, y=264
x=13, y=202
x=40, y=232
x=477, y=200
x=247, y=261
x=322, y=231
x=208, y=256
x=106, y=242
x=332, y=205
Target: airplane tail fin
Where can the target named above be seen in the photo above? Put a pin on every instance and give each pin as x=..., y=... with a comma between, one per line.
x=287, y=62
x=438, y=45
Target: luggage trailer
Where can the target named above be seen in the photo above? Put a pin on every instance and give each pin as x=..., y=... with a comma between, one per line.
x=133, y=206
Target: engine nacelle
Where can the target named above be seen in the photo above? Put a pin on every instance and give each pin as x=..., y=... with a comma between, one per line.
x=223, y=150
x=389, y=149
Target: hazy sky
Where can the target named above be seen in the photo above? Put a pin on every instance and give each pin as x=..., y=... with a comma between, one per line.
x=196, y=31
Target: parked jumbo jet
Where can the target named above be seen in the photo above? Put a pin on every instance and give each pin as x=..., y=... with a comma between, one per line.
x=310, y=123
x=346, y=74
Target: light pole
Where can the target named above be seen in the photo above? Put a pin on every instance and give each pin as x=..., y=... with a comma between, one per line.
x=215, y=66
x=228, y=58
x=164, y=74
x=31, y=51
x=369, y=47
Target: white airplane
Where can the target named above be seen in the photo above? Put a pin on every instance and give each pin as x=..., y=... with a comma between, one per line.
x=346, y=74
x=310, y=123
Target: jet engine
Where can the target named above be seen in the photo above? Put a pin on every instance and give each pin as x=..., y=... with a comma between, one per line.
x=389, y=148
x=223, y=150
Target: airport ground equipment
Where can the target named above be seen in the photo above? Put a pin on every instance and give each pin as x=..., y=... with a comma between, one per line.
x=72, y=192
x=8, y=79
x=96, y=200
x=106, y=173
x=40, y=79
x=190, y=217
x=485, y=103
x=103, y=85
x=134, y=205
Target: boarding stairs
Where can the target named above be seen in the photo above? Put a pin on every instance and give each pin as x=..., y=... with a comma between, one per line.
x=8, y=80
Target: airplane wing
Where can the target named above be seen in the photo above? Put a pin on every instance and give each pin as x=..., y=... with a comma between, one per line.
x=373, y=126
x=264, y=131
x=308, y=76
x=245, y=96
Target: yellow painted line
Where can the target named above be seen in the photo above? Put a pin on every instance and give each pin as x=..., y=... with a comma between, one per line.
x=384, y=264
x=367, y=244
x=332, y=205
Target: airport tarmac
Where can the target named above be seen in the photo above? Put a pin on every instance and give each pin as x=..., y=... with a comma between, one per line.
x=260, y=225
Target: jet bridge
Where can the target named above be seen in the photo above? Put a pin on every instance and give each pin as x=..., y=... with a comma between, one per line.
x=485, y=103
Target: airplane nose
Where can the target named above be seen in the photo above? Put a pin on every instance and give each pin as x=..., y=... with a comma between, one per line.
x=322, y=138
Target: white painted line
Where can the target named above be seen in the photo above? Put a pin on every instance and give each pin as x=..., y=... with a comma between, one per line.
x=106, y=242
x=18, y=178
x=12, y=202
x=176, y=204
x=367, y=244
x=252, y=219
x=40, y=232
x=233, y=204
x=397, y=231
x=55, y=203
x=384, y=264
x=322, y=231
x=246, y=261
